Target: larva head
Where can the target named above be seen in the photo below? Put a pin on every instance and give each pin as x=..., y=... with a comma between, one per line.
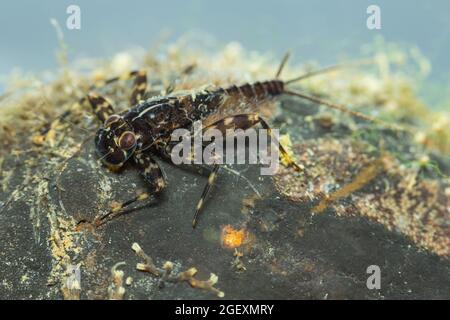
x=115, y=142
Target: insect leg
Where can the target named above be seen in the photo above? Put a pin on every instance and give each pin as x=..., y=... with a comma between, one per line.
x=209, y=184
x=151, y=171
x=165, y=152
x=139, y=87
x=102, y=83
x=290, y=162
x=102, y=108
x=125, y=76
x=240, y=121
x=152, y=174
x=248, y=120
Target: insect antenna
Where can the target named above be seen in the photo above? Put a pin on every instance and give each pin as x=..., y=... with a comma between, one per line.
x=329, y=104
x=104, y=156
x=330, y=69
x=343, y=109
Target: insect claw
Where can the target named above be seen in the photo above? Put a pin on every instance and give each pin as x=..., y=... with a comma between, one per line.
x=296, y=167
x=153, y=123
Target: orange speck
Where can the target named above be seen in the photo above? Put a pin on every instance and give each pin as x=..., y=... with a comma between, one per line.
x=38, y=140
x=232, y=238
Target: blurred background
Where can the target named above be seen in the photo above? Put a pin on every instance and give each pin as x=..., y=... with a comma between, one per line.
x=323, y=31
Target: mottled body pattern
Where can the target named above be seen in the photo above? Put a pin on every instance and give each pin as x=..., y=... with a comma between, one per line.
x=154, y=120
x=145, y=129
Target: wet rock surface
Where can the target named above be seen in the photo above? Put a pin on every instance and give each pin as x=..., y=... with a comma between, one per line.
x=287, y=253
x=368, y=195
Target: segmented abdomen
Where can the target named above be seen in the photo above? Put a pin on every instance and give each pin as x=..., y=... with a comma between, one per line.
x=256, y=91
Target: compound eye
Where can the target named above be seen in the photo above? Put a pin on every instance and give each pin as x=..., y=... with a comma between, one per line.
x=127, y=140
x=111, y=119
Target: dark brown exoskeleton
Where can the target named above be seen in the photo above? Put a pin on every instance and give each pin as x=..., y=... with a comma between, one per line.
x=145, y=129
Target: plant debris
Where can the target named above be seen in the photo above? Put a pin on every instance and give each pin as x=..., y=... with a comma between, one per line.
x=166, y=273
x=53, y=188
